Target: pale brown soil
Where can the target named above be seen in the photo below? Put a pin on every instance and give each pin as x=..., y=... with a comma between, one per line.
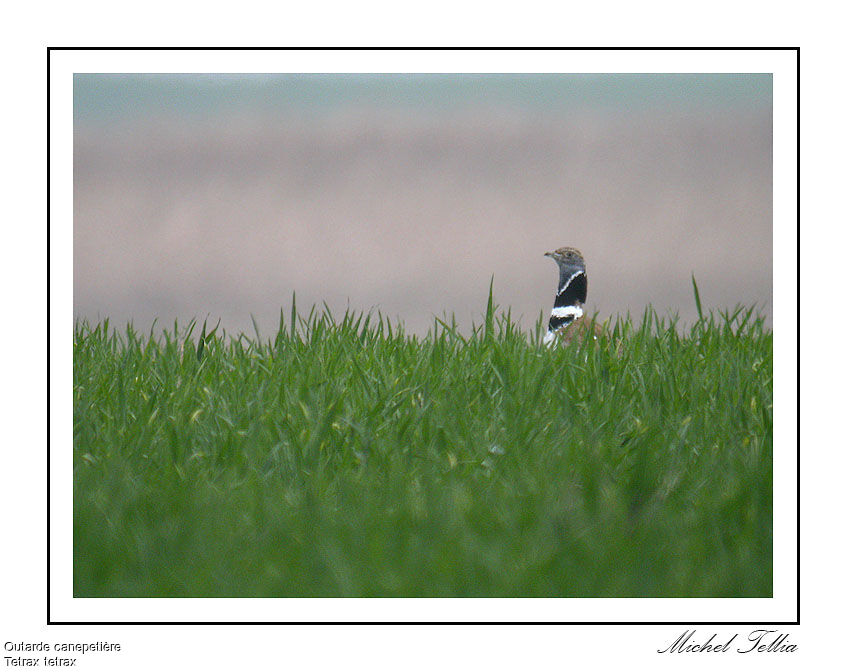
x=414, y=215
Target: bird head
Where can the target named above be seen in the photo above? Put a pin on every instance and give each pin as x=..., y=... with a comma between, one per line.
x=567, y=258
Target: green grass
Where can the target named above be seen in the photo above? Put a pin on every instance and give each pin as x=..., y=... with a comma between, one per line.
x=348, y=458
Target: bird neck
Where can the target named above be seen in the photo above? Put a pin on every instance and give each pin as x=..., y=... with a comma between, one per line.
x=567, y=306
x=573, y=287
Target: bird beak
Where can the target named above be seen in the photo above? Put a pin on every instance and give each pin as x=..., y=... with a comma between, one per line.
x=548, y=254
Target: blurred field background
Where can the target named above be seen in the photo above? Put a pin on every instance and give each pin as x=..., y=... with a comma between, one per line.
x=221, y=195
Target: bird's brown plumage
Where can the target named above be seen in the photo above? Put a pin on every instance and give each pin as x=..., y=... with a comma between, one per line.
x=577, y=331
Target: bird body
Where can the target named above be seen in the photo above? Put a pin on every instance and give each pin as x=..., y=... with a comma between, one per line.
x=567, y=319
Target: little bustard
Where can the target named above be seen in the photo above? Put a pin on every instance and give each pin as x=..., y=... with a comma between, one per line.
x=567, y=321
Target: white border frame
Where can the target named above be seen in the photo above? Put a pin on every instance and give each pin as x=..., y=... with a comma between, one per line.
x=782, y=607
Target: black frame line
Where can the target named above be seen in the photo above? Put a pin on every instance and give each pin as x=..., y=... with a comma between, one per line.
x=405, y=48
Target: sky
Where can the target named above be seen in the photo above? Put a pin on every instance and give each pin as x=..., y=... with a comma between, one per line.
x=219, y=196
